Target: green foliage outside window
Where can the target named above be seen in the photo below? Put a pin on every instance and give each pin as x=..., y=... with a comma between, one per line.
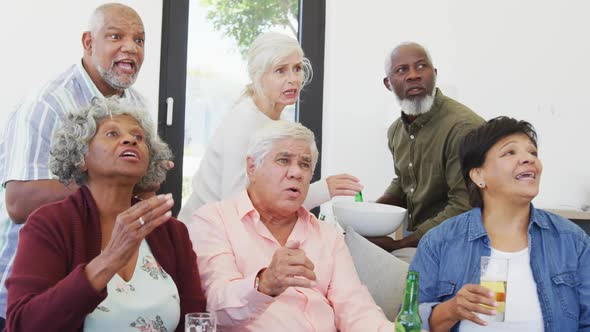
x=243, y=20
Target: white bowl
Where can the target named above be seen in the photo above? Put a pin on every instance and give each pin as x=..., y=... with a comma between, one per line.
x=369, y=219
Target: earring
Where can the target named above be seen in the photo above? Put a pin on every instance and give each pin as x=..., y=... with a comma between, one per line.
x=481, y=185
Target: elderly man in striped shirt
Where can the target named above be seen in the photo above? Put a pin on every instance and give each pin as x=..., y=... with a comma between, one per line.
x=113, y=54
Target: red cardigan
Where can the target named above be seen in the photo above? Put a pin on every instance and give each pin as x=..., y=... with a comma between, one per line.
x=48, y=289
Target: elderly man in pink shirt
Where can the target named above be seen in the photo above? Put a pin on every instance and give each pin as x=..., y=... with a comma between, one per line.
x=266, y=263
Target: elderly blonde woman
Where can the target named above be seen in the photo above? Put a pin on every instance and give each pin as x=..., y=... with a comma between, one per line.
x=100, y=260
x=266, y=263
x=278, y=71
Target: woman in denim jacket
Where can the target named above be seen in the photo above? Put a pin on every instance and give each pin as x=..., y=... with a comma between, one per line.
x=552, y=292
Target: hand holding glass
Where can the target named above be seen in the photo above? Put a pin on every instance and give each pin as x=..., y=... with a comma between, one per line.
x=494, y=276
x=199, y=322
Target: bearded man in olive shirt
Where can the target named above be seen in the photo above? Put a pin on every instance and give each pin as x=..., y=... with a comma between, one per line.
x=424, y=143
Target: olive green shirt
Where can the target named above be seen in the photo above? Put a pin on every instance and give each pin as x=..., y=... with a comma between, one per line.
x=426, y=160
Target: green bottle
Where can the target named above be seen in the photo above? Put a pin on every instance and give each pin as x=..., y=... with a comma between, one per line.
x=408, y=319
x=358, y=197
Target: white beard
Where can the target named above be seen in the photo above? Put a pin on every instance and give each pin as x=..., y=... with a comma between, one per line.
x=110, y=77
x=417, y=106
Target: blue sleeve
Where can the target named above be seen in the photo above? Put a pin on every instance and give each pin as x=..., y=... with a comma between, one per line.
x=426, y=263
x=584, y=287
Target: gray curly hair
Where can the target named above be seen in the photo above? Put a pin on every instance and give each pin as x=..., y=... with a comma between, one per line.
x=70, y=141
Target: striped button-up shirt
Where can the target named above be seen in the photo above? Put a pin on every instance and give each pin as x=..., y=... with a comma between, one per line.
x=25, y=144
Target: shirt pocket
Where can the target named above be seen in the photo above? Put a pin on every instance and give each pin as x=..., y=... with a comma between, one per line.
x=566, y=285
x=432, y=177
x=445, y=290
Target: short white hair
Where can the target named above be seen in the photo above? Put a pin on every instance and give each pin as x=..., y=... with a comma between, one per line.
x=268, y=50
x=264, y=139
x=391, y=54
x=96, y=20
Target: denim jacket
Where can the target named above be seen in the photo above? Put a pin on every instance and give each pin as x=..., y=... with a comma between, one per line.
x=448, y=257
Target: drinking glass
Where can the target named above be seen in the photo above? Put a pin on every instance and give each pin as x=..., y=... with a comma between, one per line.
x=200, y=322
x=494, y=276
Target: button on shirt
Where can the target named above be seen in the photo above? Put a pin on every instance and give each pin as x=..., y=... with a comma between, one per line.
x=25, y=144
x=448, y=257
x=234, y=245
x=426, y=161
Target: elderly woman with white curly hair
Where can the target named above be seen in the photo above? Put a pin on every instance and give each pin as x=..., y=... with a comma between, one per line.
x=278, y=71
x=266, y=263
x=100, y=260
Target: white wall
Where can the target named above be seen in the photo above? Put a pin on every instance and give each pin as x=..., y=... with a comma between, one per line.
x=527, y=59
x=40, y=39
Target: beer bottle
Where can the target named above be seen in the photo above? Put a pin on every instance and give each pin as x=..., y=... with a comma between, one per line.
x=408, y=319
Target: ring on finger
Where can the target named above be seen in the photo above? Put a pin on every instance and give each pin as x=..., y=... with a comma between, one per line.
x=141, y=221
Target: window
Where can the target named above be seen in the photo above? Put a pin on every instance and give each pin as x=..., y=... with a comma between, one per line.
x=216, y=70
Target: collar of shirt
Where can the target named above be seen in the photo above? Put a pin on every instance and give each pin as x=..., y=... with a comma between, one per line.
x=83, y=75
x=306, y=222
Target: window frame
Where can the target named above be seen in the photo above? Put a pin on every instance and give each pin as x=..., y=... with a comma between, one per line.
x=173, y=81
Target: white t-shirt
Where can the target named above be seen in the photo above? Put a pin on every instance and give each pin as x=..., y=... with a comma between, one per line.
x=523, y=311
x=222, y=171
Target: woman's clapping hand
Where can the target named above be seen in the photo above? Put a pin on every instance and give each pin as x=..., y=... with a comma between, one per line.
x=130, y=228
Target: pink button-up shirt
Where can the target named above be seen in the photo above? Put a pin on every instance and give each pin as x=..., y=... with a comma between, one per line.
x=233, y=245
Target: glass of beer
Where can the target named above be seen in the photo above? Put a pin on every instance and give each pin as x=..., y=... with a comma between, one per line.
x=494, y=276
x=200, y=322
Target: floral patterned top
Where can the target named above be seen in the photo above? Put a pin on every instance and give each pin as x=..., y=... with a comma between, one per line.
x=148, y=302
